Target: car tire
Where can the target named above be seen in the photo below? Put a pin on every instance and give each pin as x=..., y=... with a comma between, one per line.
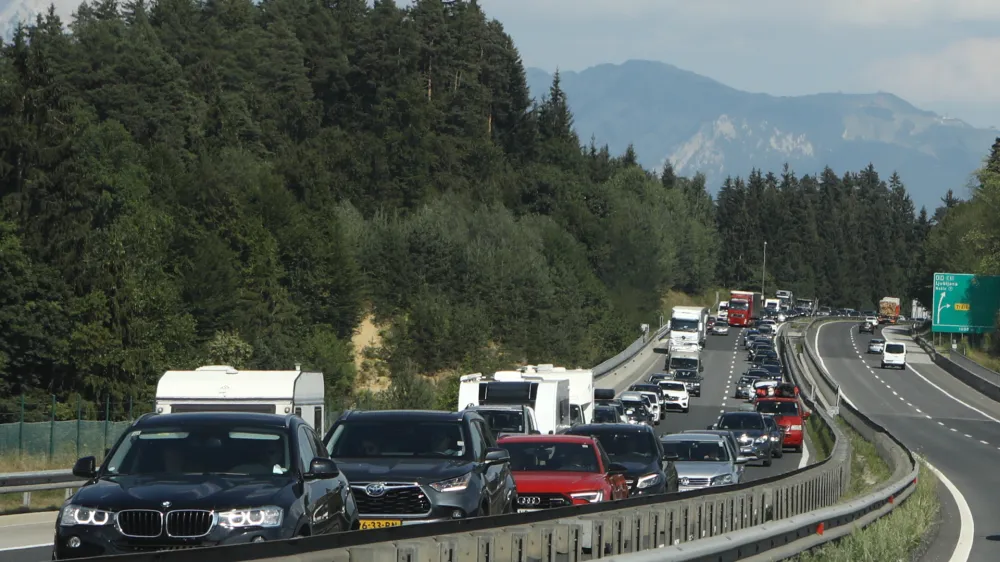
x=779, y=453
x=883, y=364
x=767, y=461
x=798, y=448
x=685, y=410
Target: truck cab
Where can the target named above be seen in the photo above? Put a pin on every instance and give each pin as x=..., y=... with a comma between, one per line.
x=688, y=324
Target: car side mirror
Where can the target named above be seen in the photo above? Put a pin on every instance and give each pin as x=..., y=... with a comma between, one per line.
x=496, y=455
x=322, y=468
x=85, y=468
x=742, y=460
x=701, y=368
x=712, y=427
x=805, y=415
x=617, y=468
x=670, y=456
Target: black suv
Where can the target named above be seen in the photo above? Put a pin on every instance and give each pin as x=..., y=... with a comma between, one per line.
x=204, y=479
x=649, y=469
x=413, y=466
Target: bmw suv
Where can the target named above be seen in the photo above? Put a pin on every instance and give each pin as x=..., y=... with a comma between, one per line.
x=413, y=466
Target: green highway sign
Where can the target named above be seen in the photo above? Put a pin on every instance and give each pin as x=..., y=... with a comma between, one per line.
x=965, y=303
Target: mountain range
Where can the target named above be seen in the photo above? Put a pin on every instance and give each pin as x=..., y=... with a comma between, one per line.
x=699, y=124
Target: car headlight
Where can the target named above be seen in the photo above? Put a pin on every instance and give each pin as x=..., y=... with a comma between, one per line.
x=761, y=439
x=80, y=515
x=456, y=484
x=722, y=480
x=647, y=481
x=795, y=427
x=775, y=437
x=591, y=497
x=267, y=516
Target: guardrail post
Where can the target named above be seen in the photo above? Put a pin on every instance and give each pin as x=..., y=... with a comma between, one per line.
x=52, y=430
x=79, y=423
x=107, y=419
x=20, y=430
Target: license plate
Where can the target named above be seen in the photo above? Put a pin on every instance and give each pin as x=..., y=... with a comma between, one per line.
x=522, y=510
x=380, y=523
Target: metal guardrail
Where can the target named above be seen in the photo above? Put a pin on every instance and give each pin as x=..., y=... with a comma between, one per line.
x=965, y=370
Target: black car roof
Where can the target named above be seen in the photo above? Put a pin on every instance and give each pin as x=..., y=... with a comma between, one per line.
x=741, y=414
x=408, y=415
x=209, y=418
x=593, y=428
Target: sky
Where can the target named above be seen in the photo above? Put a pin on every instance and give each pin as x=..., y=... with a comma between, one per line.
x=937, y=54
x=940, y=55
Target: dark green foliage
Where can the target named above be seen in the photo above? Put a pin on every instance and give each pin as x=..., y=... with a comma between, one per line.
x=188, y=182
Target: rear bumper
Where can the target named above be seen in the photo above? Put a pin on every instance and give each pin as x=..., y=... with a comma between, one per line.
x=792, y=439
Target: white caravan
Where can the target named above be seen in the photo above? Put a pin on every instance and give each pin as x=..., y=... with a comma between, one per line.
x=688, y=324
x=581, y=387
x=221, y=388
x=772, y=304
x=549, y=399
x=723, y=313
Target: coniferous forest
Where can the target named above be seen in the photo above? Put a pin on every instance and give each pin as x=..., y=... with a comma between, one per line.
x=189, y=182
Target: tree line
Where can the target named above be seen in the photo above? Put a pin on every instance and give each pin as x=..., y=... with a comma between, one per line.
x=188, y=182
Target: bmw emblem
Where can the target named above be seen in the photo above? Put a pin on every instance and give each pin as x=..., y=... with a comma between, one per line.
x=166, y=504
x=685, y=481
x=375, y=489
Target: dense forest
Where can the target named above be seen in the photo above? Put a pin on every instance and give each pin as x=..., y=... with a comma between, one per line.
x=189, y=182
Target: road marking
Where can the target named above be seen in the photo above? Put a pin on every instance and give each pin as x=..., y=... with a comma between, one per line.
x=26, y=547
x=969, y=436
x=983, y=442
x=953, y=429
x=967, y=525
x=940, y=423
x=943, y=391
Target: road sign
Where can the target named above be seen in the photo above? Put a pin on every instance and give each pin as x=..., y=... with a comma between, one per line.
x=965, y=303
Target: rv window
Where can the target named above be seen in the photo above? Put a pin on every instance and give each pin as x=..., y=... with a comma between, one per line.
x=318, y=419
x=298, y=411
x=233, y=407
x=564, y=411
x=575, y=414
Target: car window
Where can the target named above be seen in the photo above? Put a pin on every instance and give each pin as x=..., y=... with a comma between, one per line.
x=551, y=457
x=202, y=450
x=697, y=450
x=895, y=348
x=384, y=438
x=306, y=451
x=626, y=446
x=741, y=422
x=478, y=430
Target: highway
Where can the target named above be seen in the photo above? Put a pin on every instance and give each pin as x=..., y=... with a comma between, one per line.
x=956, y=429
x=25, y=538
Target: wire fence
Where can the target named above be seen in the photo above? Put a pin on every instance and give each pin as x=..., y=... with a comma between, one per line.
x=58, y=428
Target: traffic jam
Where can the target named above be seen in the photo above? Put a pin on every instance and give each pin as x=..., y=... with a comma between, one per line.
x=233, y=457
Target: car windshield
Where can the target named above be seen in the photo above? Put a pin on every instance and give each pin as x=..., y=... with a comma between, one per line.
x=778, y=408
x=605, y=415
x=627, y=446
x=697, y=451
x=504, y=421
x=676, y=386
x=738, y=305
x=219, y=449
x=551, y=457
x=686, y=375
x=683, y=325
x=645, y=388
x=398, y=438
x=633, y=403
x=683, y=363
x=740, y=422
x=895, y=348
x=876, y=341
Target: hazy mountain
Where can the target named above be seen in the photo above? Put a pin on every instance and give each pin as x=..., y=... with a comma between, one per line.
x=703, y=125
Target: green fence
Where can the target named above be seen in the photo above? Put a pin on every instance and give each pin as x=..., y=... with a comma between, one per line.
x=77, y=428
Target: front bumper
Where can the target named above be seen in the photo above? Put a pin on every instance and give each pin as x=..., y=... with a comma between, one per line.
x=107, y=541
x=676, y=406
x=792, y=438
x=755, y=450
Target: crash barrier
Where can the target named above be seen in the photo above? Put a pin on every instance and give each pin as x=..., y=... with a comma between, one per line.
x=981, y=379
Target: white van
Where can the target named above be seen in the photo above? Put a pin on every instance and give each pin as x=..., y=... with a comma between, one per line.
x=894, y=355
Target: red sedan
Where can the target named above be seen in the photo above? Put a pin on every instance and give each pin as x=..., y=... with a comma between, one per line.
x=562, y=470
x=790, y=415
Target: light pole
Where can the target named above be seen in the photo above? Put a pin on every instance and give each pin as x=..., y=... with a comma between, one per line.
x=763, y=271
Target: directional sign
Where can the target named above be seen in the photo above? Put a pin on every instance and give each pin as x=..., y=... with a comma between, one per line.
x=965, y=303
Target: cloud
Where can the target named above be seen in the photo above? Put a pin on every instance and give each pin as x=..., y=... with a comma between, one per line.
x=963, y=71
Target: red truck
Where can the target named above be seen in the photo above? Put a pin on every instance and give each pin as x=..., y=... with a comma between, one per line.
x=743, y=307
x=562, y=470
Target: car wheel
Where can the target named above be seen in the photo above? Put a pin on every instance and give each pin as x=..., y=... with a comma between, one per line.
x=883, y=364
x=798, y=448
x=685, y=410
x=767, y=461
x=779, y=453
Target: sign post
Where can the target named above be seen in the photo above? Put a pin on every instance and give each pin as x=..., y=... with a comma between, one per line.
x=965, y=303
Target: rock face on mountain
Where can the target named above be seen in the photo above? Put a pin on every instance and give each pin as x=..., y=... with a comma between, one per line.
x=702, y=125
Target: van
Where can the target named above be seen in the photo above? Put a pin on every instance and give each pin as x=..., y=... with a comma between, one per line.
x=894, y=354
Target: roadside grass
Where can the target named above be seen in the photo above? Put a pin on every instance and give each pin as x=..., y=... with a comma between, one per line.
x=820, y=438
x=40, y=501
x=868, y=470
x=983, y=358
x=896, y=536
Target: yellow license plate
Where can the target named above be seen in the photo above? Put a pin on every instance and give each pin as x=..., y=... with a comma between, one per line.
x=380, y=523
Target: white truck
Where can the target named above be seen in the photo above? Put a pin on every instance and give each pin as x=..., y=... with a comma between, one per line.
x=581, y=388
x=688, y=324
x=723, y=313
x=772, y=304
x=221, y=388
x=548, y=399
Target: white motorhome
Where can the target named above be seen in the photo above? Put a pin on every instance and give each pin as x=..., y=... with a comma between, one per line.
x=581, y=388
x=221, y=388
x=689, y=324
x=772, y=304
x=549, y=399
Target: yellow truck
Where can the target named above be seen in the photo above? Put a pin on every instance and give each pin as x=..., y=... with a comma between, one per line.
x=888, y=310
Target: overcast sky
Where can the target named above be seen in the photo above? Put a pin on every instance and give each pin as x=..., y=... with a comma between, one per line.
x=942, y=55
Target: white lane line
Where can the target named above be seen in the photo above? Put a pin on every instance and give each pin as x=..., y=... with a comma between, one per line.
x=25, y=547
x=953, y=429
x=969, y=436
x=940, y=423
x=983, y=442
x=943, y=391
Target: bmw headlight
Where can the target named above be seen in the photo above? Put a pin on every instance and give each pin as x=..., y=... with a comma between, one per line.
x=647, y=481
x=456, y=484
x=723, y=480
x=267, y=516
x=80, y=515
x=591, y=497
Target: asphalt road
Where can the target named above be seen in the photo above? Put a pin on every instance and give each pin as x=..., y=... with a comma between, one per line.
x=956, y=429
x=724, y=362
